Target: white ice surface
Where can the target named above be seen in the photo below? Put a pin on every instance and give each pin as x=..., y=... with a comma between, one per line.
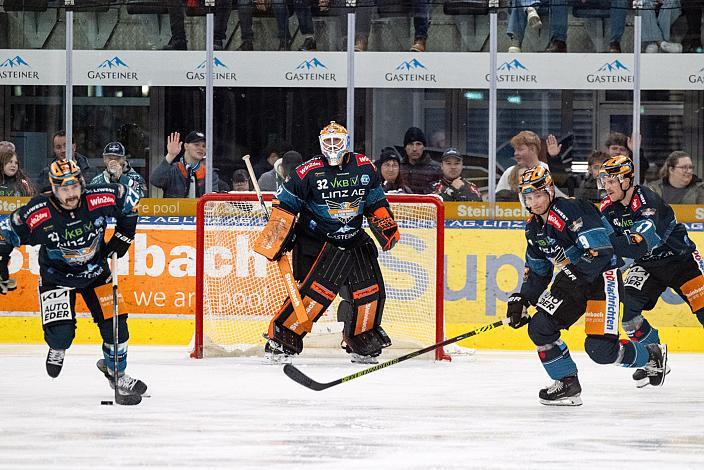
x=479, y=412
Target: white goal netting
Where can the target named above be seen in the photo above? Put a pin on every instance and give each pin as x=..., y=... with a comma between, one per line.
x=239, y=291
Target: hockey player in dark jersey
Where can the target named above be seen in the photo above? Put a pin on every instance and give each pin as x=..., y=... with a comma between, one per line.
x=569, y=234
x=643, y=228
x=331, y=194
x=69, y=224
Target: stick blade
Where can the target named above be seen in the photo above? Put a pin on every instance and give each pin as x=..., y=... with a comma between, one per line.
x=128, y=400
x=297, y=376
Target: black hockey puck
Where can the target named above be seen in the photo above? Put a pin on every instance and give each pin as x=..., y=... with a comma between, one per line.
x=106, y=402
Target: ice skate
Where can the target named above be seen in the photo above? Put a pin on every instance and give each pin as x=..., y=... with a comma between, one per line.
x=563, y=392
x=274, y=353
x=656, y=369
x=359, y=359
x=54, y=362
x=126, y=385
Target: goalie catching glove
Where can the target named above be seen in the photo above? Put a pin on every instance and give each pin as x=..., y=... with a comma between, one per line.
x=119, y=243
x=274, y=239
x=384, y=228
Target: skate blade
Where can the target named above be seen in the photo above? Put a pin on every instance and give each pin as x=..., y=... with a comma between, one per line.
x=646, y=381
x=663, y=348
x=277, y=359
x=567, y=401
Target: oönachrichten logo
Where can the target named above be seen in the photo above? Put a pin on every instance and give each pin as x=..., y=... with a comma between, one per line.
x=410, y=71
x=513, y=72
x=113, y=69
x=17, y=67
x=611, y=72
x=310, y=70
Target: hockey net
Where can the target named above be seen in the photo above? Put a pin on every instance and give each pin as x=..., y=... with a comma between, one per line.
x=238, y=291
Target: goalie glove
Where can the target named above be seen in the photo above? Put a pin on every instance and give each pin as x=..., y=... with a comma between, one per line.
x=517, y=311
x=6, y=284
x=275, y=239
x=119, y=243
x=384, y=228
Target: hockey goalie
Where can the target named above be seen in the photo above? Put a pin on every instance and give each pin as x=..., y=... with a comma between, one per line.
x=318, y=214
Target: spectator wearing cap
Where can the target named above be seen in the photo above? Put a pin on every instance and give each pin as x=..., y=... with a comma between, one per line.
x=389, y=169
x=272, y=179
x=418, y=169
x=452, y=186
x=118, y=169
x=240, y=181
x=183, y=175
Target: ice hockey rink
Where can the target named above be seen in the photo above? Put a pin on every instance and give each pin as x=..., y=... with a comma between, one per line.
x=478, y=411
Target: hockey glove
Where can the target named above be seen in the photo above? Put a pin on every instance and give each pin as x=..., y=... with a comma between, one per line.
x=384, y=228
x=517, y=310
x=6, y=284
x=119, y=243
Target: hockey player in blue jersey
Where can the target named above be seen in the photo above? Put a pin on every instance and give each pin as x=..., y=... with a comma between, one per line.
x=318, y=212
x=643, y=228
x=69, y=222
x=569, y=234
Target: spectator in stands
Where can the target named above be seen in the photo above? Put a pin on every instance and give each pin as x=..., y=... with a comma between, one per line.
x=420, y=9
x=118, y=169
x=266, y=162
x=452, y=186
x=618, y=144
x=183, y=175
x=588, y=190
x=526, y=150
x=13, y=182
x=418, y=169
x=388, y=168
x=693, y=40
x=271, y=180
x=240, y=181
x=59, y=148
x=657, y=25
x=523, y=13
x=178, y=40
x=559, y=21
x=438, y=139
x=677, y=183
x=303, y=12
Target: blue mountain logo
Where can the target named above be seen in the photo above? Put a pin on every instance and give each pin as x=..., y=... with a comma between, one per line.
x=16, y=61
x=614, y=66
x=313, y=63
x=111, y=63
x=512, y=66
x=410, y=65
x=216, y=63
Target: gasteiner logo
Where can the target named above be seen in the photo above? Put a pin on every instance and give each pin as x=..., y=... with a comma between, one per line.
x=311, y=70
x=100, y=200
x=513, y=72
x=113, y=69
x=307, y=166
x=17, y=68
x=37, y=218
x=220, y=71
x=410, y=71
x=555, y=221
x=611, y=72
x=694, y=78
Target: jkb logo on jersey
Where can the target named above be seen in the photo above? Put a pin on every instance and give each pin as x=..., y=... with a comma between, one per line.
x=311, y=70
x=113, y=69
x=514, y=72
x=220, y=71
x=410, y=71
x=17, y=68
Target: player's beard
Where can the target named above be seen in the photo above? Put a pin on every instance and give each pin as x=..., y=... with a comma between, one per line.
x=70, y=203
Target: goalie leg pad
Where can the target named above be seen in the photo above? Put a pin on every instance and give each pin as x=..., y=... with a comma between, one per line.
x=289, y=342
x=319, y=288
x=369, y=343
x=363, y=294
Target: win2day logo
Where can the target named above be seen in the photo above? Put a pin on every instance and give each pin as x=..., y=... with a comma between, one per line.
x=611, y=72
x=410, y=71
x=513, y=72
x=310, y=70
x=221, y=71
x=18, y=68
x=113, y=69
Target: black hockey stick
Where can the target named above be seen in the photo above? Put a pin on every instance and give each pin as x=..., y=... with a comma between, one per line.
x=297, y=376
x=120, y=399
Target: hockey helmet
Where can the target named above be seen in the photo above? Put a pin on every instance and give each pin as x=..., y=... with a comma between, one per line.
x=536, y=179
x=64, y=173
x=334, y=142
x=619, y=166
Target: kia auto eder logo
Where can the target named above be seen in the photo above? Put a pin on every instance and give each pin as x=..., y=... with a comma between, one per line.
x=220, y=71
x=17, y=68
x=310, y=70
x=410, y=71
x=113, y=69
x=611, y=72
x=697, y=77
x=513, y=71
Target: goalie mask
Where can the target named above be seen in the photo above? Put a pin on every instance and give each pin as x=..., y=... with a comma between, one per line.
x=534, y=181
x=334, y=143
x=617, y=168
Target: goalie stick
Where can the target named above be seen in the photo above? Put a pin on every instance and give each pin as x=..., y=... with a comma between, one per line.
x=282, y=263
x=297, y=376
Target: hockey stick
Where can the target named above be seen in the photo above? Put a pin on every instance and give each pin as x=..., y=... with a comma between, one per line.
x=282, y=263
x=119, y=398
x=297, y=376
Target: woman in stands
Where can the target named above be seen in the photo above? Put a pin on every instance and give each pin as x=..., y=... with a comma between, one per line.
x=678, y=184
x=389, y=168
x=13, y=182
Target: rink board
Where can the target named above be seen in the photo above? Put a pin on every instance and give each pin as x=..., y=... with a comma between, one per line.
x=484, y=264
